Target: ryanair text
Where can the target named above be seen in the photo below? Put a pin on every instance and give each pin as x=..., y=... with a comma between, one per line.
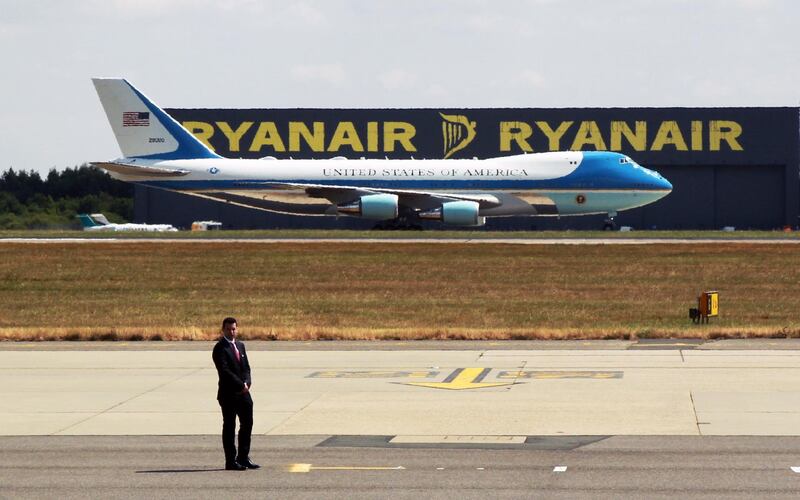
x=513, y=136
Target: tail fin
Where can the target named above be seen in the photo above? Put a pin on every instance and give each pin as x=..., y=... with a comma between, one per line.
x=144, y=130
x=87, y=221
x=100, y=219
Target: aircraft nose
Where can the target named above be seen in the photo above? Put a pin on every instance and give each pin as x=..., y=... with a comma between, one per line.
x=665, y=184
x=657, y=181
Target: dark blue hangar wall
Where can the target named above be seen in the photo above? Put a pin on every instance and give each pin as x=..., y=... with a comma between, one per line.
x=729, y=166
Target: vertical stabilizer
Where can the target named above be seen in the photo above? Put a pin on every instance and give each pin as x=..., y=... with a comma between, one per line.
x=87, y=221
x=142, y=129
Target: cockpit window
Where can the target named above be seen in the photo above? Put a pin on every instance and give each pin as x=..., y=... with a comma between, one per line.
x=625, y=159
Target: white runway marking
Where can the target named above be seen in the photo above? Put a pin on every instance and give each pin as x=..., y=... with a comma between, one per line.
x=560, y=468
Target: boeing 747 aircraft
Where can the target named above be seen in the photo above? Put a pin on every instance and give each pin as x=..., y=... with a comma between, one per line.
x=159, y=152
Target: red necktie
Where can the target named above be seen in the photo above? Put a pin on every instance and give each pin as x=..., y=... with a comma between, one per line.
x=238, y=356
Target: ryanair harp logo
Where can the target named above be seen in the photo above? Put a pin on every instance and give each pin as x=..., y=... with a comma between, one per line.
x=457, y=132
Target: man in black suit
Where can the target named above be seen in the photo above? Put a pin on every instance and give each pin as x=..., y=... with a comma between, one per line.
x=230, y=358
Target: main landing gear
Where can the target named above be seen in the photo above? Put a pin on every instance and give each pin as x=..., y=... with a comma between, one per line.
x=608, y=223
x=402, y=223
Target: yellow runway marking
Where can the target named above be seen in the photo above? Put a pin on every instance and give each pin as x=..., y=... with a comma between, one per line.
x=463, y=378
x=303, y=468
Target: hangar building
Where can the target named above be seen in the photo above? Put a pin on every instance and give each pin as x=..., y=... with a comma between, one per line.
x=729, y=166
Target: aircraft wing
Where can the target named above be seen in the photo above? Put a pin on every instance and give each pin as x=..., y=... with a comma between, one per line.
x=311, y=199
x=422, y=200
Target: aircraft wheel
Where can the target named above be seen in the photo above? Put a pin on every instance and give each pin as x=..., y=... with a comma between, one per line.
x=399, y=224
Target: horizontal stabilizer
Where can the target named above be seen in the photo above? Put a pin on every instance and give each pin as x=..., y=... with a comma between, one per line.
x=141, y=170
x=100, y=218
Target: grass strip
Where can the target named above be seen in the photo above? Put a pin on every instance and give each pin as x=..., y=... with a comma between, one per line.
x=289, y=291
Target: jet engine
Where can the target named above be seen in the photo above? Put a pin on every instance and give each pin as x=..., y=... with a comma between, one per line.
x=456, y=213
x=372, y=206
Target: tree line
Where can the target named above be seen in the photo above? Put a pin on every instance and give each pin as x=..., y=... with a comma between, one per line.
x=27, y=201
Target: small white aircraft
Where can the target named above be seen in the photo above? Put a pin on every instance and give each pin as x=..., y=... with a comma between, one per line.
x=98, y=222
x=159, y=152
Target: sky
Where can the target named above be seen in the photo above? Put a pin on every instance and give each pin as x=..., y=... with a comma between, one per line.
x=374, y=53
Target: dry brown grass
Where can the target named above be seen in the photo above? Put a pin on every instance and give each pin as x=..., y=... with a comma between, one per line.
x=177, y=291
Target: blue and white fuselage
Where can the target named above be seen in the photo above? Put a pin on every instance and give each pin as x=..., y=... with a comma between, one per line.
x=460, y=192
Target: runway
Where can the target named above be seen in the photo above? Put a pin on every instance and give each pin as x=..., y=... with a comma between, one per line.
x=652, y=419
x=421, y=241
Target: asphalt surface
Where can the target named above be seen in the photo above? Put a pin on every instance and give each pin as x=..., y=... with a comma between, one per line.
x=417, y=345
x=298, y=467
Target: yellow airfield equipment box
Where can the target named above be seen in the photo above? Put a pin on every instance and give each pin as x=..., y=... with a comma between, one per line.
x=708, y=304
x=707, y=307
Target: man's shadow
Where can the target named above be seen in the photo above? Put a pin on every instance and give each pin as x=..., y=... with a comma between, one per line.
x=173, y=471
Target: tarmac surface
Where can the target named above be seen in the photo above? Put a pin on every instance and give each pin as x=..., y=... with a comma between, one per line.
x=648, y=419
x=300, y=467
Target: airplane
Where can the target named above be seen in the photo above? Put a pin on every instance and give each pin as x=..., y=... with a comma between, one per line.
x=98, y=222
x=158, y=152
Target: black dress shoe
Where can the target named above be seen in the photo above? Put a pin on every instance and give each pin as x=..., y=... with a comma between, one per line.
x=234, y=466
x=248, y=464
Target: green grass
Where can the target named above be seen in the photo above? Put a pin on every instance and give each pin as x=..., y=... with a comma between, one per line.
x=415, y=291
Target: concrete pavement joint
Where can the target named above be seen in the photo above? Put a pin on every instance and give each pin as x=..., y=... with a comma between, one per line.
x=296, y=414
x=127, y=400
x=694, y=411
x=516, y=377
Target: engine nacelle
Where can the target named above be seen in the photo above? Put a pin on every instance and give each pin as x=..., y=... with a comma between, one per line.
x=456, y=213
x=372, y=206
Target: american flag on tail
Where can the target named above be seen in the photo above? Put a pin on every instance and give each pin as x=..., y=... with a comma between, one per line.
x=135, y=119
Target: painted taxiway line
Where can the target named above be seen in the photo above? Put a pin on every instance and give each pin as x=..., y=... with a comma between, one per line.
x=418, y=241
x=305, y=468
